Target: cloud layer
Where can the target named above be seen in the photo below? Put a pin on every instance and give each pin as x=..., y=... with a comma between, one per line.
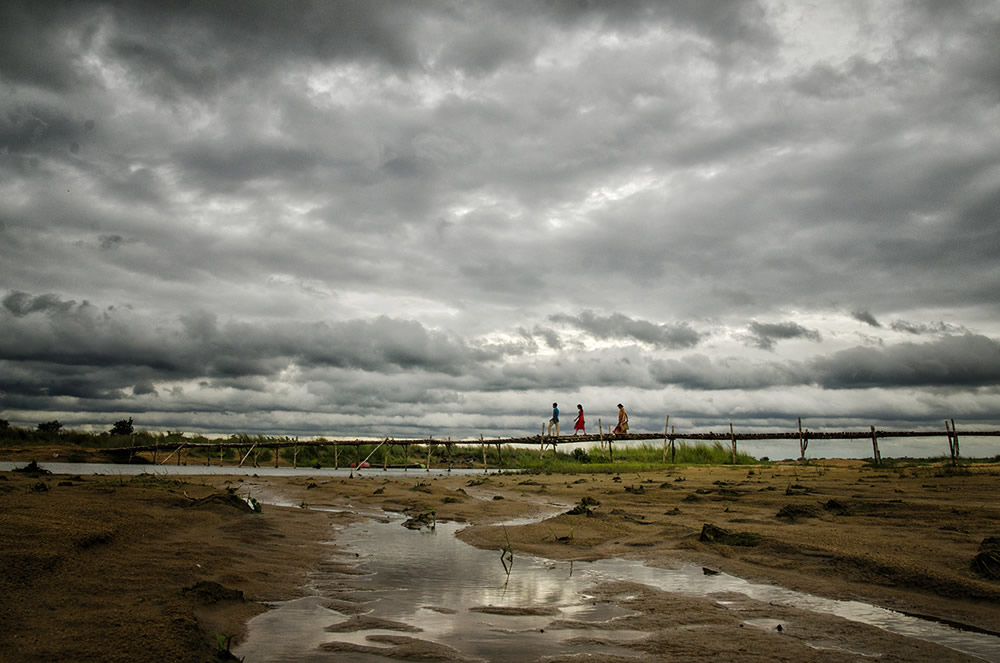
x=362, y=218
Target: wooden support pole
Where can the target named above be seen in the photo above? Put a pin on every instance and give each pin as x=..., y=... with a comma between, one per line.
x=172, y=453
x=254, y=446
x=876, y=454
x=277, y=449
x=499, y=456
x=220, y=454
x=295, y=457
x=256, y=455
x=482, y=446
x=541, y=442
x=600, y=435
x=732, y=436
x=666, y=430
x=954, y=435
x=673, y=446
x=336, y=456
x=611, y=450
x=156, y=448
x=803, y=442
x=952, y=441
x=429, y=445
x=385, y=456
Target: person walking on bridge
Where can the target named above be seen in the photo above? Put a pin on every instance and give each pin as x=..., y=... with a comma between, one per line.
x=622, y=426
x=579, y=424
x=554, y=421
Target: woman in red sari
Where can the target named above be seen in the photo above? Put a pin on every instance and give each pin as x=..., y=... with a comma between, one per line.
x=579, y=425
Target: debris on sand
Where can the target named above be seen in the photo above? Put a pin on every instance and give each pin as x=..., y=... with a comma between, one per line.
x=837, y=508
x=987, y=561
x=427, y=519
x=795, y=511
x=31, y=468
x=209, y=593
x=712, y=534
x=224, y=499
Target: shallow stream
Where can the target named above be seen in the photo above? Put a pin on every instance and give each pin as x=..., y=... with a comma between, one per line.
x=429, y=585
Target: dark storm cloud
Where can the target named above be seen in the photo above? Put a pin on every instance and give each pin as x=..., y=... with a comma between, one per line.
x=620, y=327
x=364, y=207
x=45, y=331
x=953, y=361
x=765, y=335
x=865, y=317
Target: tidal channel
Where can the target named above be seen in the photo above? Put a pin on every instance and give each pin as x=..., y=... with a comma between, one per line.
x=388, y=585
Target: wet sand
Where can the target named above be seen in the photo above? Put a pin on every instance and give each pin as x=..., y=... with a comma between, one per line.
x=106, y=568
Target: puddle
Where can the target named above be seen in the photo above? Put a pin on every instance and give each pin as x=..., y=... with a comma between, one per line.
x=427, y=588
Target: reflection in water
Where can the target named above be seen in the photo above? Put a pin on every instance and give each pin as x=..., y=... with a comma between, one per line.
x=461, y=597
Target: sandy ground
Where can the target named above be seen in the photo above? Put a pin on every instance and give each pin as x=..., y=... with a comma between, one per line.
x=100, y=568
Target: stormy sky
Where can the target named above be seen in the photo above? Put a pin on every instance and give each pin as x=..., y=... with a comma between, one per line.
x=437, y=218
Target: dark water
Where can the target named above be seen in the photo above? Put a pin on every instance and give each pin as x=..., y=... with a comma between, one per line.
x=431, y=581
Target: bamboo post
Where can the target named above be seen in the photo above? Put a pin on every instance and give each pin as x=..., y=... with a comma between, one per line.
x=732, y=436
x=952, y=441
x=600, y=435
x=357, y=447
x=180, y=454
x=172, y=453
x=295, y=457
x=277, y=449
x=132, y=449
x=954, y=435
x=482, y=446
x=248, y=454
x=406, y=456
x=336, y=456
x=803, y=442
x=876, y=454
x=447, y=447
x=541, y=442
x=666, y=429
x=673, y=446
x=256, y=454
x=220, y=454
x=611, y=450
x=499, y=455
x=430, y=443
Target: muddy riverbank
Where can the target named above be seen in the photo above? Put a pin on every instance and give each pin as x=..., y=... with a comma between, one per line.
x=126, y=568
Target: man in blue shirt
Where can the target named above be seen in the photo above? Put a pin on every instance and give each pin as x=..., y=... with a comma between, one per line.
x=554, y=421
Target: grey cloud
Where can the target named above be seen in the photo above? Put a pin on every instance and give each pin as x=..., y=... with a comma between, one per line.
x=765, y=335
x=865, y=317
x=618, y=326
x=923, y=328
x=21, y=304
x=965, y=361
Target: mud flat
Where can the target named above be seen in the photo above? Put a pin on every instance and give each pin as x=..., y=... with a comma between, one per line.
x=123, y=568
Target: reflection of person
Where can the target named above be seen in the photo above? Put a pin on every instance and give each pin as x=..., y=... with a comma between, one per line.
x=554, y=421
x=579, y=425
x=622, y=426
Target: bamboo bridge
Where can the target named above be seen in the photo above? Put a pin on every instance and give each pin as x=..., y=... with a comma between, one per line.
x=249, y=448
